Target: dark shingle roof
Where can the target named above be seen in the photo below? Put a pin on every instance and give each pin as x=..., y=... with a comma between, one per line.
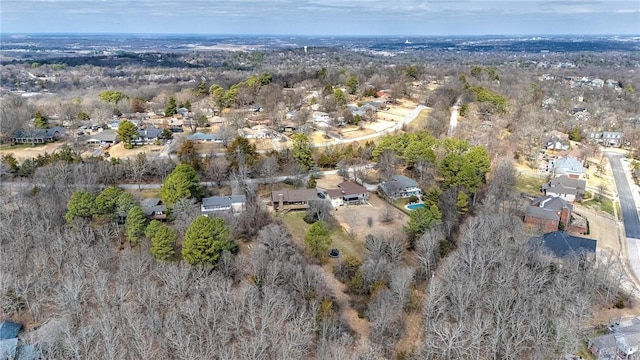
x=562, y=244
x=551, y=203
x=405, y=182
x=541, y=213
x=294, y=195
x=565, y=182
x=150, y=133
x=351, y=188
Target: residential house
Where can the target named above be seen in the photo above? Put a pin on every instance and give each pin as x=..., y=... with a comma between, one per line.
x=37, y=136
x=223, y=204
x=154, y=209
x=607, y=138
x=321, y=119
x=9, y=339
x=11, y=347
x=622, y=342
x=564, y=187
x=549, y=213
x=288, y=126
x=347, y=193
x=569, y=166
x=555, y=143
x=400, y=186
x=285, y=199
x=256, y=132
x=562, y=244
x=149, y=135
x=103, y=137
x=199, y=137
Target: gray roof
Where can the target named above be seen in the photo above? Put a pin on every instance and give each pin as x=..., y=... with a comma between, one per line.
x=105, y=135
x=8, y=348
x=38, y=133
x=150, y=133
x=298, y=195
x=604, y=342
x=541, y=213
x=405, y=182
x=562, y=244
x=202, y=137
x=551, y=202
x=223, y=201
x=568, y=165
x=9, y=329
x=152, y=205
x=565, y=185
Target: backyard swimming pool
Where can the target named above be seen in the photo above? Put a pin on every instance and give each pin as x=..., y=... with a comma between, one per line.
x=415, y=206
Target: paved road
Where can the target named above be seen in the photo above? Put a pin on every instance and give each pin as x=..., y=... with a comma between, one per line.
x=629, y=212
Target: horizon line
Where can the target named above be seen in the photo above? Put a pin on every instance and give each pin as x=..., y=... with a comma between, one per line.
x=311, y=35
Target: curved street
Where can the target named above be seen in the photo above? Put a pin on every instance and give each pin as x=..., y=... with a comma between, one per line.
x=628, y=210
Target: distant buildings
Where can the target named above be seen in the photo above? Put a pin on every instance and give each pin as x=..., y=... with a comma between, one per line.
x=607, y=138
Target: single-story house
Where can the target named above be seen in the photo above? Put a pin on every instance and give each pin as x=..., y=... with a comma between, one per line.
x=219, y=204
x=256, y=132
x=569, y=166
x=286, y=199
x=37, y=136
x=149, y=135
x=400, y=186
x=199, y=137
x=561, y=244
x=549, y=213
x=103, y=137
x=348, y=193
x=564, y=187
x=154, y=209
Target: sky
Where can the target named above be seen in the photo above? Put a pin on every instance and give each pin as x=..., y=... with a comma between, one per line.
x=328, y=17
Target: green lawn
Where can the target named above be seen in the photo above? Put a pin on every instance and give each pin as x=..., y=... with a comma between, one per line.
x=602, y=204
x=400, y=204
x=529, y=185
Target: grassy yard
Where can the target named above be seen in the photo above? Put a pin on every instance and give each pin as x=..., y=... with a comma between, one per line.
x=400, y=204
x=340, y=239
x=420, y=122
x=20, y=146
x=529, y=185
x=599, y=203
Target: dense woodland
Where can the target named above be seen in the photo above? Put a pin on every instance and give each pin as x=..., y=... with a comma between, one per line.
x=92, y=279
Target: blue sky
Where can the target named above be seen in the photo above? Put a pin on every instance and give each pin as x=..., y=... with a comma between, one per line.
x=328, y=17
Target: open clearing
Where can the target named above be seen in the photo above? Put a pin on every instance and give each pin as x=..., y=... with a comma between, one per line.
x=23, y=152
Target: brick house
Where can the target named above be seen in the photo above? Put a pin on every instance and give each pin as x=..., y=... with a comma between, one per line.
x=549, y=213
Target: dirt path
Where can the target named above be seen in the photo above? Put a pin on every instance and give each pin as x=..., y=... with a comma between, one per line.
x=359, y=325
